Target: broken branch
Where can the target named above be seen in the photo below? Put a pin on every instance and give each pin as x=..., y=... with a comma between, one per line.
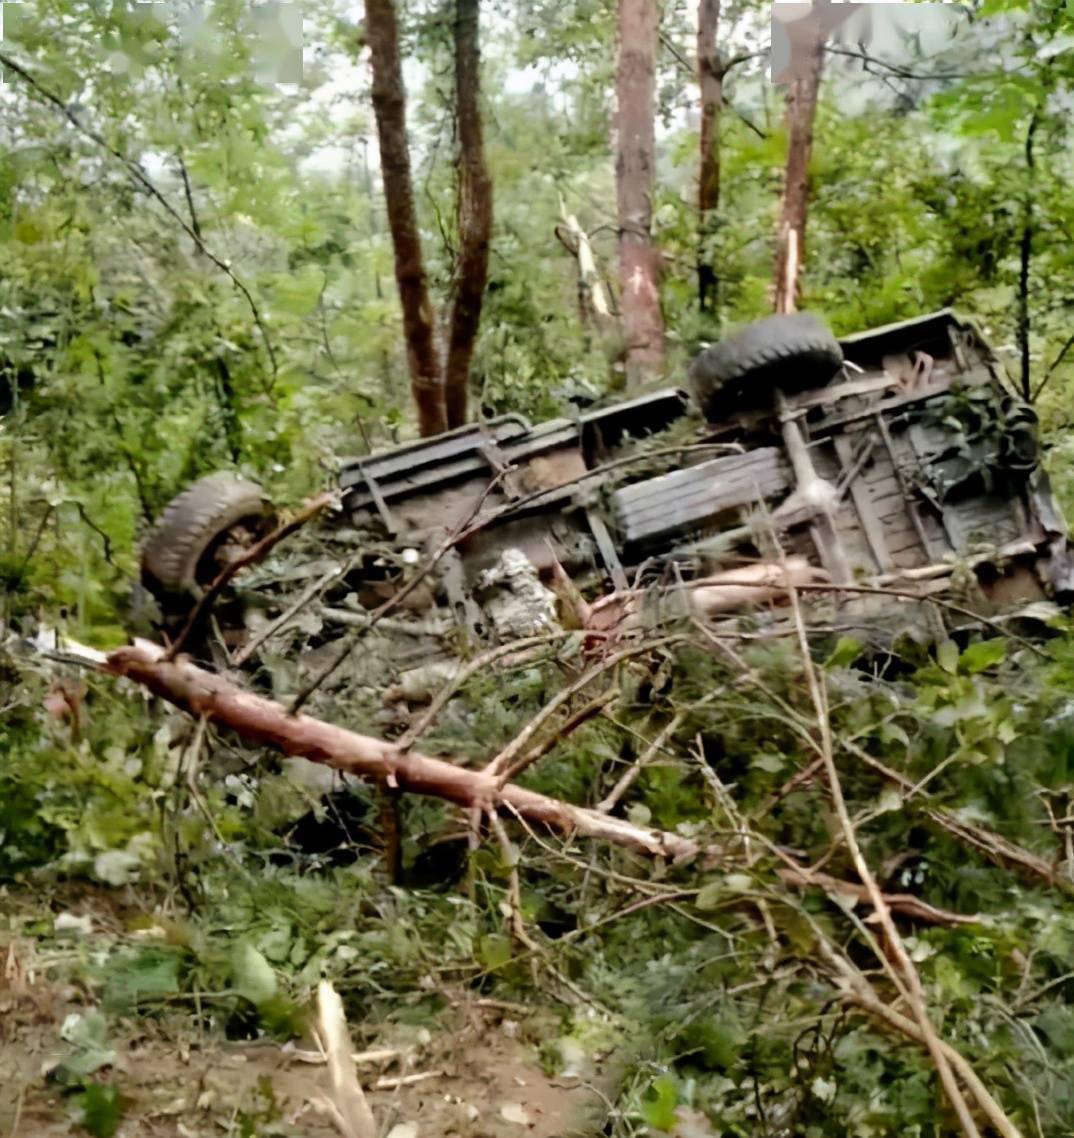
x=263, y=721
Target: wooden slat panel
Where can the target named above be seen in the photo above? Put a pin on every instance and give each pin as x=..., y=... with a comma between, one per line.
x=686, y=498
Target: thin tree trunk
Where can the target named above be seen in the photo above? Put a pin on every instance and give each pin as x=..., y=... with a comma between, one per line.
x=474, y=214
x=1025, y=258
x=790, y=236
x=389, y=110
x=639, y=302
x=710, y=79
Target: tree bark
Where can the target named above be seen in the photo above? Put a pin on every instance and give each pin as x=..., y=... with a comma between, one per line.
x=389, y=110
x=639, y=262
x=710, y=80
x=474, y=214
x=790, y=236
x=1025, y=257
x=260, y=720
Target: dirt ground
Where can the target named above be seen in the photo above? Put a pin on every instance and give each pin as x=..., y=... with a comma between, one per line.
x=475, y=1074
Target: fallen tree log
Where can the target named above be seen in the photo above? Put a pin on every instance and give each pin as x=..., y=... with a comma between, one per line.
x=260, y=720
x=219, y=701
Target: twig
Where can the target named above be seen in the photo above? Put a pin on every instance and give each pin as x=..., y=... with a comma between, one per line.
x=390, y=1082
x=254, y=554
x=1067, y=345
x=905, y=903
x=909, y=594
x=500, y=767
x=477, y=664
x=895, y=69
x=995, y=1113
x=562, y=731
x=901, y=958
x=106, y=541
x=243, y=654
x=377, y=1055
x=627, y=779
x=979, y=837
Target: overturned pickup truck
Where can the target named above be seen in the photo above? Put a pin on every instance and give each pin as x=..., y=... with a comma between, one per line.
x=896, y=463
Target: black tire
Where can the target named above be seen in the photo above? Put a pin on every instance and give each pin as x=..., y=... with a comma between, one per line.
x=792, y=353
x=190, y=526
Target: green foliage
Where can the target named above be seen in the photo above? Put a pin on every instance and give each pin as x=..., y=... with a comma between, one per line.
x=130, y=364
x=98, y=1109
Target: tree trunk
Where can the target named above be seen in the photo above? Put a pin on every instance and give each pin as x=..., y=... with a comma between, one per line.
x=1025, y=257
x=710, y=79
x=389, y=110
x=639, y=302
x=474, y=214
x=790, y=237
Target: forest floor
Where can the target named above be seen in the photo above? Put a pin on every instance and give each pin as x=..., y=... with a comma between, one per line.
x=476, y=1071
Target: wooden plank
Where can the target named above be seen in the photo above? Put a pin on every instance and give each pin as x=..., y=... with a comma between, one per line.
x=707, y=472
x=703, y=500
x=688, y=497
x=863, y=504
x=609, y=554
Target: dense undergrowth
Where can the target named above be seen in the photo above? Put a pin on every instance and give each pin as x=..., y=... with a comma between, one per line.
x=710, y=984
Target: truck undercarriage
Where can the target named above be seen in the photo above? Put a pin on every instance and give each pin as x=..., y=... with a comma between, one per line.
x=896, y=464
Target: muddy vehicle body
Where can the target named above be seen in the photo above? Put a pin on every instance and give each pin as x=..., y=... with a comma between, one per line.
x=900, y=457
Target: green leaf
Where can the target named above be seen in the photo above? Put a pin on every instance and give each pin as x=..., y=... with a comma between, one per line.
x=845, y=652
x=709, y=896
x=150, y=971
x=495, y=950
x=947, y=656
x=984, y=654
x=297, y=293
x=1057, y=1023
x=87, y=1035
x=893, y=733
x=658, y=1105
x=253, y=975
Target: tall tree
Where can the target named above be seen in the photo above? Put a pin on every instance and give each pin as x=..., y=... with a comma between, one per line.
x=474, y=214
x=710, y=79
x=801, y=112
x=439, y=389
x=389, y=110
x=639, y=260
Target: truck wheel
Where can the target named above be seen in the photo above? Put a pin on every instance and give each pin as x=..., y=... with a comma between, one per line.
x=793, y=353
x=177, y=557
